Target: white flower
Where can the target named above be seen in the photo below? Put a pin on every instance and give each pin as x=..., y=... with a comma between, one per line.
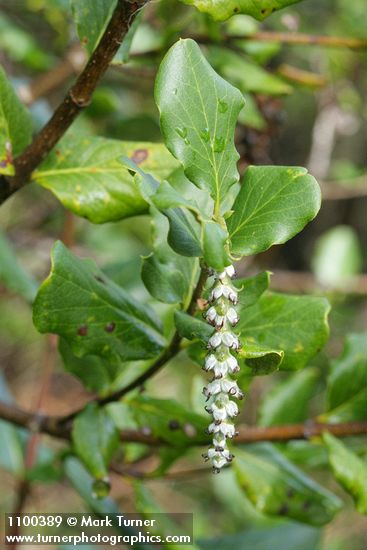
x=211, y=314
x=219, y=459
x=225, y=428
x=232, y=364
x=232, y=409
x=215, y=341
x=210, y=362
x=232, y=316
x=216, y=293
x=220, y=369
x=225, y=409
x=223, y=290
x=213, y=388
x=230, y=340
x=219, y=413
x=230, y=271
x=231, y=388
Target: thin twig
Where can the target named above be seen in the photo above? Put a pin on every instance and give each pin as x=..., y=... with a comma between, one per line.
x=56, y=427
x=77, y=98
x=292, y=38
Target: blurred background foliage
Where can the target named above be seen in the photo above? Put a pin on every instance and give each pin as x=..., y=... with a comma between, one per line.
x=305, y=105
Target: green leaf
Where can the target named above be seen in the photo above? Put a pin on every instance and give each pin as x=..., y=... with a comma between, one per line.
x=273, y=205
x=346, y=393
x=348, y=375
x=278, y=488
x=95, y=439
x=94, y=315
x=295, y=324
x=349, y=470
x=198, y=115
x=91, y=22
x=353, y=409
x=12, y=274
x=96, y=373
x=287, y=402
x=192, y=328
x=215, y=246
x=246, y=75
x=252, y=288
x=184, y=232
x=221, y=10
x=166, y=275
x=338, y=257
x=184, y=235
x=168, y=420
x=87, y=176
x=163, y=278
x=261, y=359
x=15, y=126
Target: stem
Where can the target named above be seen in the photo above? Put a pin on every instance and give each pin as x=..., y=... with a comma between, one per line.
x=293, y=38
x=55, y=426
x=78, y=97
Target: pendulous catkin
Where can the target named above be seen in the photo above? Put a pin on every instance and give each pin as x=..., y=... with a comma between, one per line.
x=221, y=361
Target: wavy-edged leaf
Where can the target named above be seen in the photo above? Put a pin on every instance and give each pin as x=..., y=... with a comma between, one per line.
x=168, y=276
x=87, y=176
x=278, y=488
x=295, y=324
x=215, y=246
x=252, y=288
x=167, y=419
x=287, y=402
x=245, y=74
x=221, y=10
x=261, y=359
x=15, y=126
x=91, y=21
x=192, y=328
x=92, y=313
x=198, y=112
x=348, y=374
x=349, y=470
x=95, y=439
x=355, y=408
x=274, y=204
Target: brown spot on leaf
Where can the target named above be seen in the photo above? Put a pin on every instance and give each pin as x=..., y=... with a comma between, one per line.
x=291, y=493
x=140, y=155
x=99, y=279
x=110, y=327
x=82, y=330
x=174, y=425
x=85, y=40
x=283, y=510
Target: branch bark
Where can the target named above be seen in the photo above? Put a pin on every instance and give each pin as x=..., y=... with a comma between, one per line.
x=293, y=38
x=56, y=427
x=78, y=97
